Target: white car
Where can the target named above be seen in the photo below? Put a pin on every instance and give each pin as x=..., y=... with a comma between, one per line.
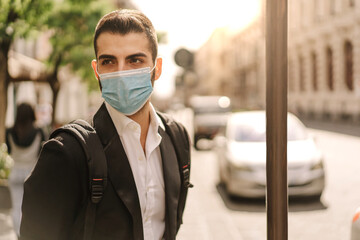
x=241, y=155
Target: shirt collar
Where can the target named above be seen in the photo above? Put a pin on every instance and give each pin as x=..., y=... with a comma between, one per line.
x=121, y=121
x=155, y=119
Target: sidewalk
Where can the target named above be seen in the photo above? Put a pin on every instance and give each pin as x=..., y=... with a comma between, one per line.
x=6, y=226
x=348, y=128
x=6, y=222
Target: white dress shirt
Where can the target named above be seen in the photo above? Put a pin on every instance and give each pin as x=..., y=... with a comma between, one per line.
x=146, y=168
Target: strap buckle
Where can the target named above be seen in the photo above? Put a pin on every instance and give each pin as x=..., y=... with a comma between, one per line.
x=97, y=189
x=186, y=173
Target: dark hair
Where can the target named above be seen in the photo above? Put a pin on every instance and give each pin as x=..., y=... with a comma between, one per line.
x=125, y=21
x=25, y=115
x=24, y=121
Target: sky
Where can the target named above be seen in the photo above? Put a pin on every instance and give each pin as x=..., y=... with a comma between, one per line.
x=189, y=24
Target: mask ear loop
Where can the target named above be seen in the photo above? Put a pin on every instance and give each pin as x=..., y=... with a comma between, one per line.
x=153, y=67
x=97, y=70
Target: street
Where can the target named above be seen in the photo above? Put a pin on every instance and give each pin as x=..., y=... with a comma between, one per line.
x=210, y=214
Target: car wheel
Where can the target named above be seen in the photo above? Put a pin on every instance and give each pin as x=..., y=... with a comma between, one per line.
x=221, y=176
x=222, y=180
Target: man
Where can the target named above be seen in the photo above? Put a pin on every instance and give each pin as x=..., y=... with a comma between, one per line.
x=141, y=200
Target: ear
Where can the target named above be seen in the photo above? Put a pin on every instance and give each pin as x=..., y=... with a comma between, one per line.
x=94, y=67
x=158, y=68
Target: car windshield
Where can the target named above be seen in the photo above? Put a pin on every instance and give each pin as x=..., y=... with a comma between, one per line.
x=254, y=132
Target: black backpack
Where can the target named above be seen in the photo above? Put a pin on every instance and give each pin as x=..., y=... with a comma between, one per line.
x=97, y=165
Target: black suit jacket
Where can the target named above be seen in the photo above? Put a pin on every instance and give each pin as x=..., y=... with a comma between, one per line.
x=56, y=193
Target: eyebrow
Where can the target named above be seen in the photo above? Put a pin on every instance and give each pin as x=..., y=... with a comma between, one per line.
x=106, y=56
x=136, y=55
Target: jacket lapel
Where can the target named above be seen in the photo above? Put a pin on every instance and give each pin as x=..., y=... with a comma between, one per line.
x=172, y=183
x=119, y=170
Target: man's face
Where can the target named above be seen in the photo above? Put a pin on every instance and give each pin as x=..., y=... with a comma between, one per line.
x=118, y=52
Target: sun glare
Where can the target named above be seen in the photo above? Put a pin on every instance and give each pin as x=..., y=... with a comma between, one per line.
x=190, y=23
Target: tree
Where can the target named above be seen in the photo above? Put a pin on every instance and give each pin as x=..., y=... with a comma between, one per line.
x=72, y=24
x=17, y=19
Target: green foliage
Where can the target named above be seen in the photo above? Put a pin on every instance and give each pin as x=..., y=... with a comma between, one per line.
x=72, y=24
x=162, y=37
x=20, y=17
x=6, y=162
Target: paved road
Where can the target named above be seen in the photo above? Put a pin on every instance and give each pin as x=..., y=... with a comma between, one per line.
x=206, y=216
x=212, y=215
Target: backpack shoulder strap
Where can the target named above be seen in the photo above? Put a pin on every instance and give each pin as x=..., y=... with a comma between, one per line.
x=180, y=140
x=86, y=135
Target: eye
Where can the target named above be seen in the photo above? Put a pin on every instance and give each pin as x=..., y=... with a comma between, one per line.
x=136, y=61
x=106, y=61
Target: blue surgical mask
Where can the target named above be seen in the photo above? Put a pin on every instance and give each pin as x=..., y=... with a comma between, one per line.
x=127, y=91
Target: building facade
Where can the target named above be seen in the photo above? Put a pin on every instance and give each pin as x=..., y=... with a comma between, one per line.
x=323, y=60
x=211, y=64
x=233, y=63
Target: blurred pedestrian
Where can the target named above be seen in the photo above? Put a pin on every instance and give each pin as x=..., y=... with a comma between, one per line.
x=24, y=143
x=147, y=183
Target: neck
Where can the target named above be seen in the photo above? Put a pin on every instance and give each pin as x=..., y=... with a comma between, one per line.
x=142, y=117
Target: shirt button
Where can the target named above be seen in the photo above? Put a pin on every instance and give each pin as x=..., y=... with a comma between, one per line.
x=132, y=126
x=141, y=158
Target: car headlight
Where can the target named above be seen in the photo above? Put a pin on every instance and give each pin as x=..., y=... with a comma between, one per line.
x=236, y=164
x=318, y=165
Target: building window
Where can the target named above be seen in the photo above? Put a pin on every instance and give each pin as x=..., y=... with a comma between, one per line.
x=291, y=76
x=348, y=68
x=302, y=16
x=351, y=3
x=301, y=74
x=332, y=7
x=314, y=71
x=329, y=69
x=315, y=10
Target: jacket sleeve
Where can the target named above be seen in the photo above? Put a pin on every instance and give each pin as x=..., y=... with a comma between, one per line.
x=55, y=191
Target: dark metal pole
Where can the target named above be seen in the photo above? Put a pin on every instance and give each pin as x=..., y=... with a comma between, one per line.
x=276, y=120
